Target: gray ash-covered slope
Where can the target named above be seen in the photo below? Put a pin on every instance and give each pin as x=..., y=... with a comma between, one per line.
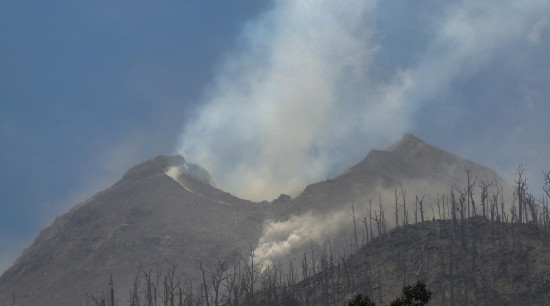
x=160, y=212
x=164, y=211
x=422, y=169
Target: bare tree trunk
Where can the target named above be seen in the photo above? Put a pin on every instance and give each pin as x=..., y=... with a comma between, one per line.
x=396, y=207
x=484, y=185
x=134, y=292
x=204, y=286
x=111, y=291
x=421, y=203
x=382, y=215
x=471, y=182
x=354, y=227
x=439, y=207
x=416, y=210
x=530, y=200
x=370, y=219
x=405, y=218
x=519, y=194
x=453, y=206
x=217, y=278
x=546, y=186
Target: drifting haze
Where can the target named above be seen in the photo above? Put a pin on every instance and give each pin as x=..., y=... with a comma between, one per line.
x=312, y=85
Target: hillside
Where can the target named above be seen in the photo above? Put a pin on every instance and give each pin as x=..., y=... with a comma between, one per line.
x=384, y=188
x=476, y=262
x=145, y=221
x=165, y=212
x=421, y=168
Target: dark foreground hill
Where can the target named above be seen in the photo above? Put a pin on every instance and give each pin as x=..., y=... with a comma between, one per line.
x=475, y=262
x=470, y=262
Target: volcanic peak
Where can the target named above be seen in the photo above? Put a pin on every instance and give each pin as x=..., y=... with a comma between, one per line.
x=162, y=164
x=408, y=143
x=153, y=166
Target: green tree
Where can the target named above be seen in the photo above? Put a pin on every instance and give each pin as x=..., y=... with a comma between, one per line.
x=360, y=300
x=413, y=296
x=418, y=295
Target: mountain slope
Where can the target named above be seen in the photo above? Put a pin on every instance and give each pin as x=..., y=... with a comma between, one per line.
x=477, y=262
x=164, y=211
x=419, y=167
x=362, y=201
x=143, y=221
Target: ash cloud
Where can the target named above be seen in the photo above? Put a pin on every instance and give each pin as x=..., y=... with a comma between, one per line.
x=303, y=94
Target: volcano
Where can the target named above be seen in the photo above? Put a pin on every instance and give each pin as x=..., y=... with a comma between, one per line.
x=166, y=212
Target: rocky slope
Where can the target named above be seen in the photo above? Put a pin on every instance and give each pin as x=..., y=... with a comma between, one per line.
x=164, y=212
x=323, y=211
x=144, y=221
x=419, y=167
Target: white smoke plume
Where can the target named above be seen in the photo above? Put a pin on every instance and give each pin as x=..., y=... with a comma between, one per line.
x=302, y=96
x=280, y=238
x=276, y=114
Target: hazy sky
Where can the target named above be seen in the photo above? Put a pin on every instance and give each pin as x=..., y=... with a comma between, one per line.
x=267, y=96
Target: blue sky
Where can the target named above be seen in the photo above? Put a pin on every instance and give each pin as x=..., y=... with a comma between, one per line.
x=261, y=94
x=90, y=89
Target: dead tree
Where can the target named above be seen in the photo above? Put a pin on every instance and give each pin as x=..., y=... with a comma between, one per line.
x=292, y=277
x=462, y=195
x=416, y=210
x=218, y=276
x=453, y=206
x=382, y=216
x=366, y=230
x=495, y=216
x=545, y=216
x=420, y=203
x=446, y=210
x=111, y=290
x=519, y=192
x=100, y=300
x=546, y=186
x=545, y=198
x=313, y=263
x=151, y=286
x=232, y=282
x=134, y=292
x=504, y=217
x=189, y=296
x=405, y=217
x=484, y=185
x=471, y=182
x=105, y=299
x=370, y=219
x=439, y=207
x=250, y=278
x=204, y=284
x=531, y=203
x=169, y=286
x=396, y=207
x=354, y=227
